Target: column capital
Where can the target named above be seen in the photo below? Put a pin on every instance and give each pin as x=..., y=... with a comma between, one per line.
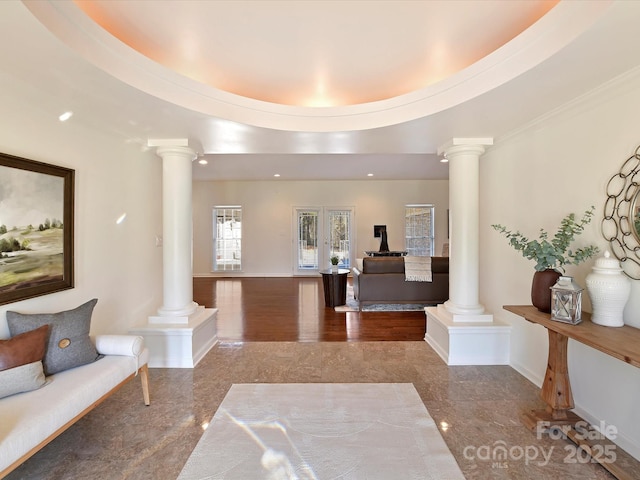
x=465, y=145
x=186, y=152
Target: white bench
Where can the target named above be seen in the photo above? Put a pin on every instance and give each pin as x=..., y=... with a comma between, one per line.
x=30, y=420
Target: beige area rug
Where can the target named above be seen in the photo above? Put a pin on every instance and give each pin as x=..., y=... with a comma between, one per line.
x=321, y=431
x=353, y=305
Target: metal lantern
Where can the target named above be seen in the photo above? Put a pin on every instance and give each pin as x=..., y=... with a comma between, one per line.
x=566, y=301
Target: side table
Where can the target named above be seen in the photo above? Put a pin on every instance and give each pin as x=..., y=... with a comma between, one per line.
x=335, y=287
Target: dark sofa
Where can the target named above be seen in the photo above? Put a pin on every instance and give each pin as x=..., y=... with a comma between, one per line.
x=382, y=280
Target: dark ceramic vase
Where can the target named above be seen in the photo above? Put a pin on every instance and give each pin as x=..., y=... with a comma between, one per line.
x=541, y=289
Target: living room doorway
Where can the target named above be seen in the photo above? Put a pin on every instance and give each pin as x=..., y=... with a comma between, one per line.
x=322, y=232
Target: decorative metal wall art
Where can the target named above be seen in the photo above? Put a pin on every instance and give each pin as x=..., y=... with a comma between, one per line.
x=621, y=222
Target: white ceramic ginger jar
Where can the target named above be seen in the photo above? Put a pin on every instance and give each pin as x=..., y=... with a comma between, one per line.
x=608, y=290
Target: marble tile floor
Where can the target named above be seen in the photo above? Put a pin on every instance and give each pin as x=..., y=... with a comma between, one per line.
x=477, y=410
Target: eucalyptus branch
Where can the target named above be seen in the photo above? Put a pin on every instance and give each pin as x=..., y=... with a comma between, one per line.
x=554, y=254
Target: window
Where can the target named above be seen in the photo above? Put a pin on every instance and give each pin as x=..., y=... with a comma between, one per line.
x=227, y=238
x=419, y=231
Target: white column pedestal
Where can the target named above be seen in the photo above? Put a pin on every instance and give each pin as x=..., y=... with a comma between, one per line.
x=474, y=342
x=180, y=345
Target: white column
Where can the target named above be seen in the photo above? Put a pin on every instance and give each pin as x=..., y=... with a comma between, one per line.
x=463, y=155
x=177, y=232
x=182, y=332
x=459, y=330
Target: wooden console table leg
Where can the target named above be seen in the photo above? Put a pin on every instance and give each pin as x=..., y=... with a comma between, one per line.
x=556, y=389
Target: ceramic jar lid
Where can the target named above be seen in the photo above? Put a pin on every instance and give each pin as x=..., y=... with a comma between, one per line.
x=606, y=264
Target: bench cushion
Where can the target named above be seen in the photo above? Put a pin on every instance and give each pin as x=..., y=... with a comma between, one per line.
x=30, y=418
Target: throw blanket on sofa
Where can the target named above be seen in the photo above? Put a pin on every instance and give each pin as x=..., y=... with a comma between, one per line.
x=417, y=269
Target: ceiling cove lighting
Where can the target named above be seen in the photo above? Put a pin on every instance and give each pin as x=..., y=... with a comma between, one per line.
x=65, y=116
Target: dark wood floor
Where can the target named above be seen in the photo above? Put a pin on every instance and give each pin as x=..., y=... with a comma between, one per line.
x=292, y=309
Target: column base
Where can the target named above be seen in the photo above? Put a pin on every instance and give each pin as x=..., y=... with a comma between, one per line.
x=172, y=317
x=467, y=343
x=180, y=345
x=467, y=313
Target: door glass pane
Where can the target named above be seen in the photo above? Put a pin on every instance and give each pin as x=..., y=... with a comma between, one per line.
x=339, y=236
x=227, y=239
x=307, y=240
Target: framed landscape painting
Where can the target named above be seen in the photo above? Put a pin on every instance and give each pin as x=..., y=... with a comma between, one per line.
x=36, y=228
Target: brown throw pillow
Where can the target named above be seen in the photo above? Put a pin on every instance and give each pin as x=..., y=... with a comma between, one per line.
x=25, y=348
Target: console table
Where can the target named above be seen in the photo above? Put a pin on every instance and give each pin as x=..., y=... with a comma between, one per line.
x=392, y=253
x=619, y=342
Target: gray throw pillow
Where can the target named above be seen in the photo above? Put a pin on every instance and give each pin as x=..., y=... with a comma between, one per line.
x=68, y=344
x=21, y=379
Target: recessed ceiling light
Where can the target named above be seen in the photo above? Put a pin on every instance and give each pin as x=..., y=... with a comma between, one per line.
x=369, y=174
x=444, y=160
x=276, y=174
x=65, y=116
x=202, y=161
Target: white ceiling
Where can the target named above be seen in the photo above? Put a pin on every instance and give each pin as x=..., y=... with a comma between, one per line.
x=316, y=53
x=242, y=80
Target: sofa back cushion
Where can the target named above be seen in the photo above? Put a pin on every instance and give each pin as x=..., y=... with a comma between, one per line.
x=396, y=265
x=439, y=264
x=383, y=265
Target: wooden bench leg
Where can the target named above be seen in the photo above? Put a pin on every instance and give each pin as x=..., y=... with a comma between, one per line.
x=144, y=379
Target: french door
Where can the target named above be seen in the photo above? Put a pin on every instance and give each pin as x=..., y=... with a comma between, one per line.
x=322, y=232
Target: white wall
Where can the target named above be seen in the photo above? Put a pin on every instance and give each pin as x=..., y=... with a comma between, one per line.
x=118, y=264
x=268, y=214
x=531, y=180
